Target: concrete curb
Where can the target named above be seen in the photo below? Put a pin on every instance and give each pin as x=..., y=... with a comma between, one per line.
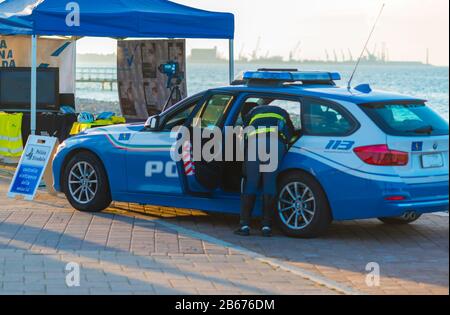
x=276, y=263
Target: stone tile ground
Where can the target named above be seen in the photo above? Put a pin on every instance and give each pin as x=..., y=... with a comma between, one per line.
x=128, y=250
x=120, y=254
x=413, y=259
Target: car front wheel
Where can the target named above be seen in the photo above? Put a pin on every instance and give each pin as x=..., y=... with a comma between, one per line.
x=302, y=206
x=86, y=184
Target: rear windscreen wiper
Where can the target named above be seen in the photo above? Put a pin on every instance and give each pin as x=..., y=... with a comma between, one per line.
x=425, y=130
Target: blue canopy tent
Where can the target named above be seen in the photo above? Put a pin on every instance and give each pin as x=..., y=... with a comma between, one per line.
x=111, y=18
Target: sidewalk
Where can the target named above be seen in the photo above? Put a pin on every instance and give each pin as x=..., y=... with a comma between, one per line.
x=135, y=249
x=121, y=254
x=413, y=259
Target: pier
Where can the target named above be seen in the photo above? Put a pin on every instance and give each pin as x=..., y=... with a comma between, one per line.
x=107, y=77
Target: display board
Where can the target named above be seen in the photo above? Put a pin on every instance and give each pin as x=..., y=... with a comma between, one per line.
x=32, y=166
x=142, y=77
x=15, y=51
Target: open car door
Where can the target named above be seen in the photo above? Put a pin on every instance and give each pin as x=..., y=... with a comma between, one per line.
x=202, y=174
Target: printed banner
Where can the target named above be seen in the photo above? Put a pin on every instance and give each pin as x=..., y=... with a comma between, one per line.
x=142, y=77
x=15, y=51
x=32, y=166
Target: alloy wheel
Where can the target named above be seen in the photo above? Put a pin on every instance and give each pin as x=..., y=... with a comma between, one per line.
x=83, y=182
x=296, y=205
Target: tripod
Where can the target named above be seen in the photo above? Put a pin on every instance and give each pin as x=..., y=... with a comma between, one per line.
x=174, y=90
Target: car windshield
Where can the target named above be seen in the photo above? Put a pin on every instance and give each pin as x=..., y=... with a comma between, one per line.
x=415, y=119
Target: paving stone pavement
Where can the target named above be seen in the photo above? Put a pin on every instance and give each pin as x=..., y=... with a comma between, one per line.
x=413, y=259
x=119, y=253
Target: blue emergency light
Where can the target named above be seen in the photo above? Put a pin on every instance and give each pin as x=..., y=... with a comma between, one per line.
x=292, y=76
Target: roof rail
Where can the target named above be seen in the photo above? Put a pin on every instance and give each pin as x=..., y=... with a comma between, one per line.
x=278, y=69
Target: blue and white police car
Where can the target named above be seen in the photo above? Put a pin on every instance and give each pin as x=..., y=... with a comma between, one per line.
x=360, y=154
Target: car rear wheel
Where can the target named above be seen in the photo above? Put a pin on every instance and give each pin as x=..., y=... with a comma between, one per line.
x=302, y=207
x=86, y=183
x=407, y=218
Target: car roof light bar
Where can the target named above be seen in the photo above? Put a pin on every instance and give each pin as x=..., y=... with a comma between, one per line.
x=309, y=76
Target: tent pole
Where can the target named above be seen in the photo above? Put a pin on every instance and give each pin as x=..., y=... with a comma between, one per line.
x=33, y=83
x=231, y=60
x=75, y=67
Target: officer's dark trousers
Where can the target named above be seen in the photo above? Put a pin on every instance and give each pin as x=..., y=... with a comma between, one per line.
x=254, y=180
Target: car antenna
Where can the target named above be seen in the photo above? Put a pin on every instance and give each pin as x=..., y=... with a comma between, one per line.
x=349, y=86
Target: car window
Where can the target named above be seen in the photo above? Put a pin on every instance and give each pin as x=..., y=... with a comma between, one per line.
x=407, y=119
x=292, y=107
x=214, y=110
x=325, y=119
x=178, y=118
x=294, y=110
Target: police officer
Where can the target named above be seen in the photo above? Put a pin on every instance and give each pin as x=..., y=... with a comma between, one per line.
x=273, y=123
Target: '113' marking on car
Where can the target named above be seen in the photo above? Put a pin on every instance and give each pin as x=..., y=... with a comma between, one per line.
x=340, y=145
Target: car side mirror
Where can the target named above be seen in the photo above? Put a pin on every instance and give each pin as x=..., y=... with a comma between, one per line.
x=152, y=123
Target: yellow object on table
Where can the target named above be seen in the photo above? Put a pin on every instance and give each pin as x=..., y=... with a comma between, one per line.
x=78, y=127
x=118, y=120
x=11, y=144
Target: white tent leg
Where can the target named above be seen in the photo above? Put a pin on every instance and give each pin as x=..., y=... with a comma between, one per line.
x=75, y=65
x=33, y=83
x=231, y=60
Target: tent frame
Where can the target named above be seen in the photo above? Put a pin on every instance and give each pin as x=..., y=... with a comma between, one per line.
x=34, y=40
x=33, y=83
x=231, y=60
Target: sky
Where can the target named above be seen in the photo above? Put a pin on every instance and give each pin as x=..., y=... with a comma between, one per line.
x=407, y=27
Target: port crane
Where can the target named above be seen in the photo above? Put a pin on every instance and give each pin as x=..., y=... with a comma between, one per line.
x=343, y=55
x=255, y=52
x=383, y=52
x=327, y=55
x=241, y=54
x=372, y=55
x=294, y=52
x=350, y=55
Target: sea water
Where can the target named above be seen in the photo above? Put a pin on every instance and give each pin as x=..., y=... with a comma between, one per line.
x=425, y=82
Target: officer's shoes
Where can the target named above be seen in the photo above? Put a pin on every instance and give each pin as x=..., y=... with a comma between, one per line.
x=243, y=231
x=266, y=231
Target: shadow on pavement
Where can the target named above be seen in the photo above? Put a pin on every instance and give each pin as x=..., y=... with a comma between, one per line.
x=416, y=253
x=25, y=237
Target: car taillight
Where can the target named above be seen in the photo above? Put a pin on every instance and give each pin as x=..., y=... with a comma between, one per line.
x=395, y=198
x=381, y=155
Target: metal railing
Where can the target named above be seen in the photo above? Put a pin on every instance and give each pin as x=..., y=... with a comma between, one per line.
x=107, y=77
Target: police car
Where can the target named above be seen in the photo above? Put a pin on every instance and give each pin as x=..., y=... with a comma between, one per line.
x=359, y=154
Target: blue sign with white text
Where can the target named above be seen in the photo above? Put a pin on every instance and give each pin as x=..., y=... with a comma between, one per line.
x=32, y=166
x=27, y=179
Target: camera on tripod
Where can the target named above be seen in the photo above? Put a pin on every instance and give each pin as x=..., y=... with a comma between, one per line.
x=174, y=78
x=172, y=70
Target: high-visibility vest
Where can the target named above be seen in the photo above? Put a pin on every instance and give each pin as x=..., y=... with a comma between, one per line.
x=262, y=129
x=266, y=130
x=267, y=115
x=11, y=144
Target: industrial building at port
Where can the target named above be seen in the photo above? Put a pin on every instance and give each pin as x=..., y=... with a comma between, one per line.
x=375, y=56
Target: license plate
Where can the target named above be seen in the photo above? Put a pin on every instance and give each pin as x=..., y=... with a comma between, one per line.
x=432, y=160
